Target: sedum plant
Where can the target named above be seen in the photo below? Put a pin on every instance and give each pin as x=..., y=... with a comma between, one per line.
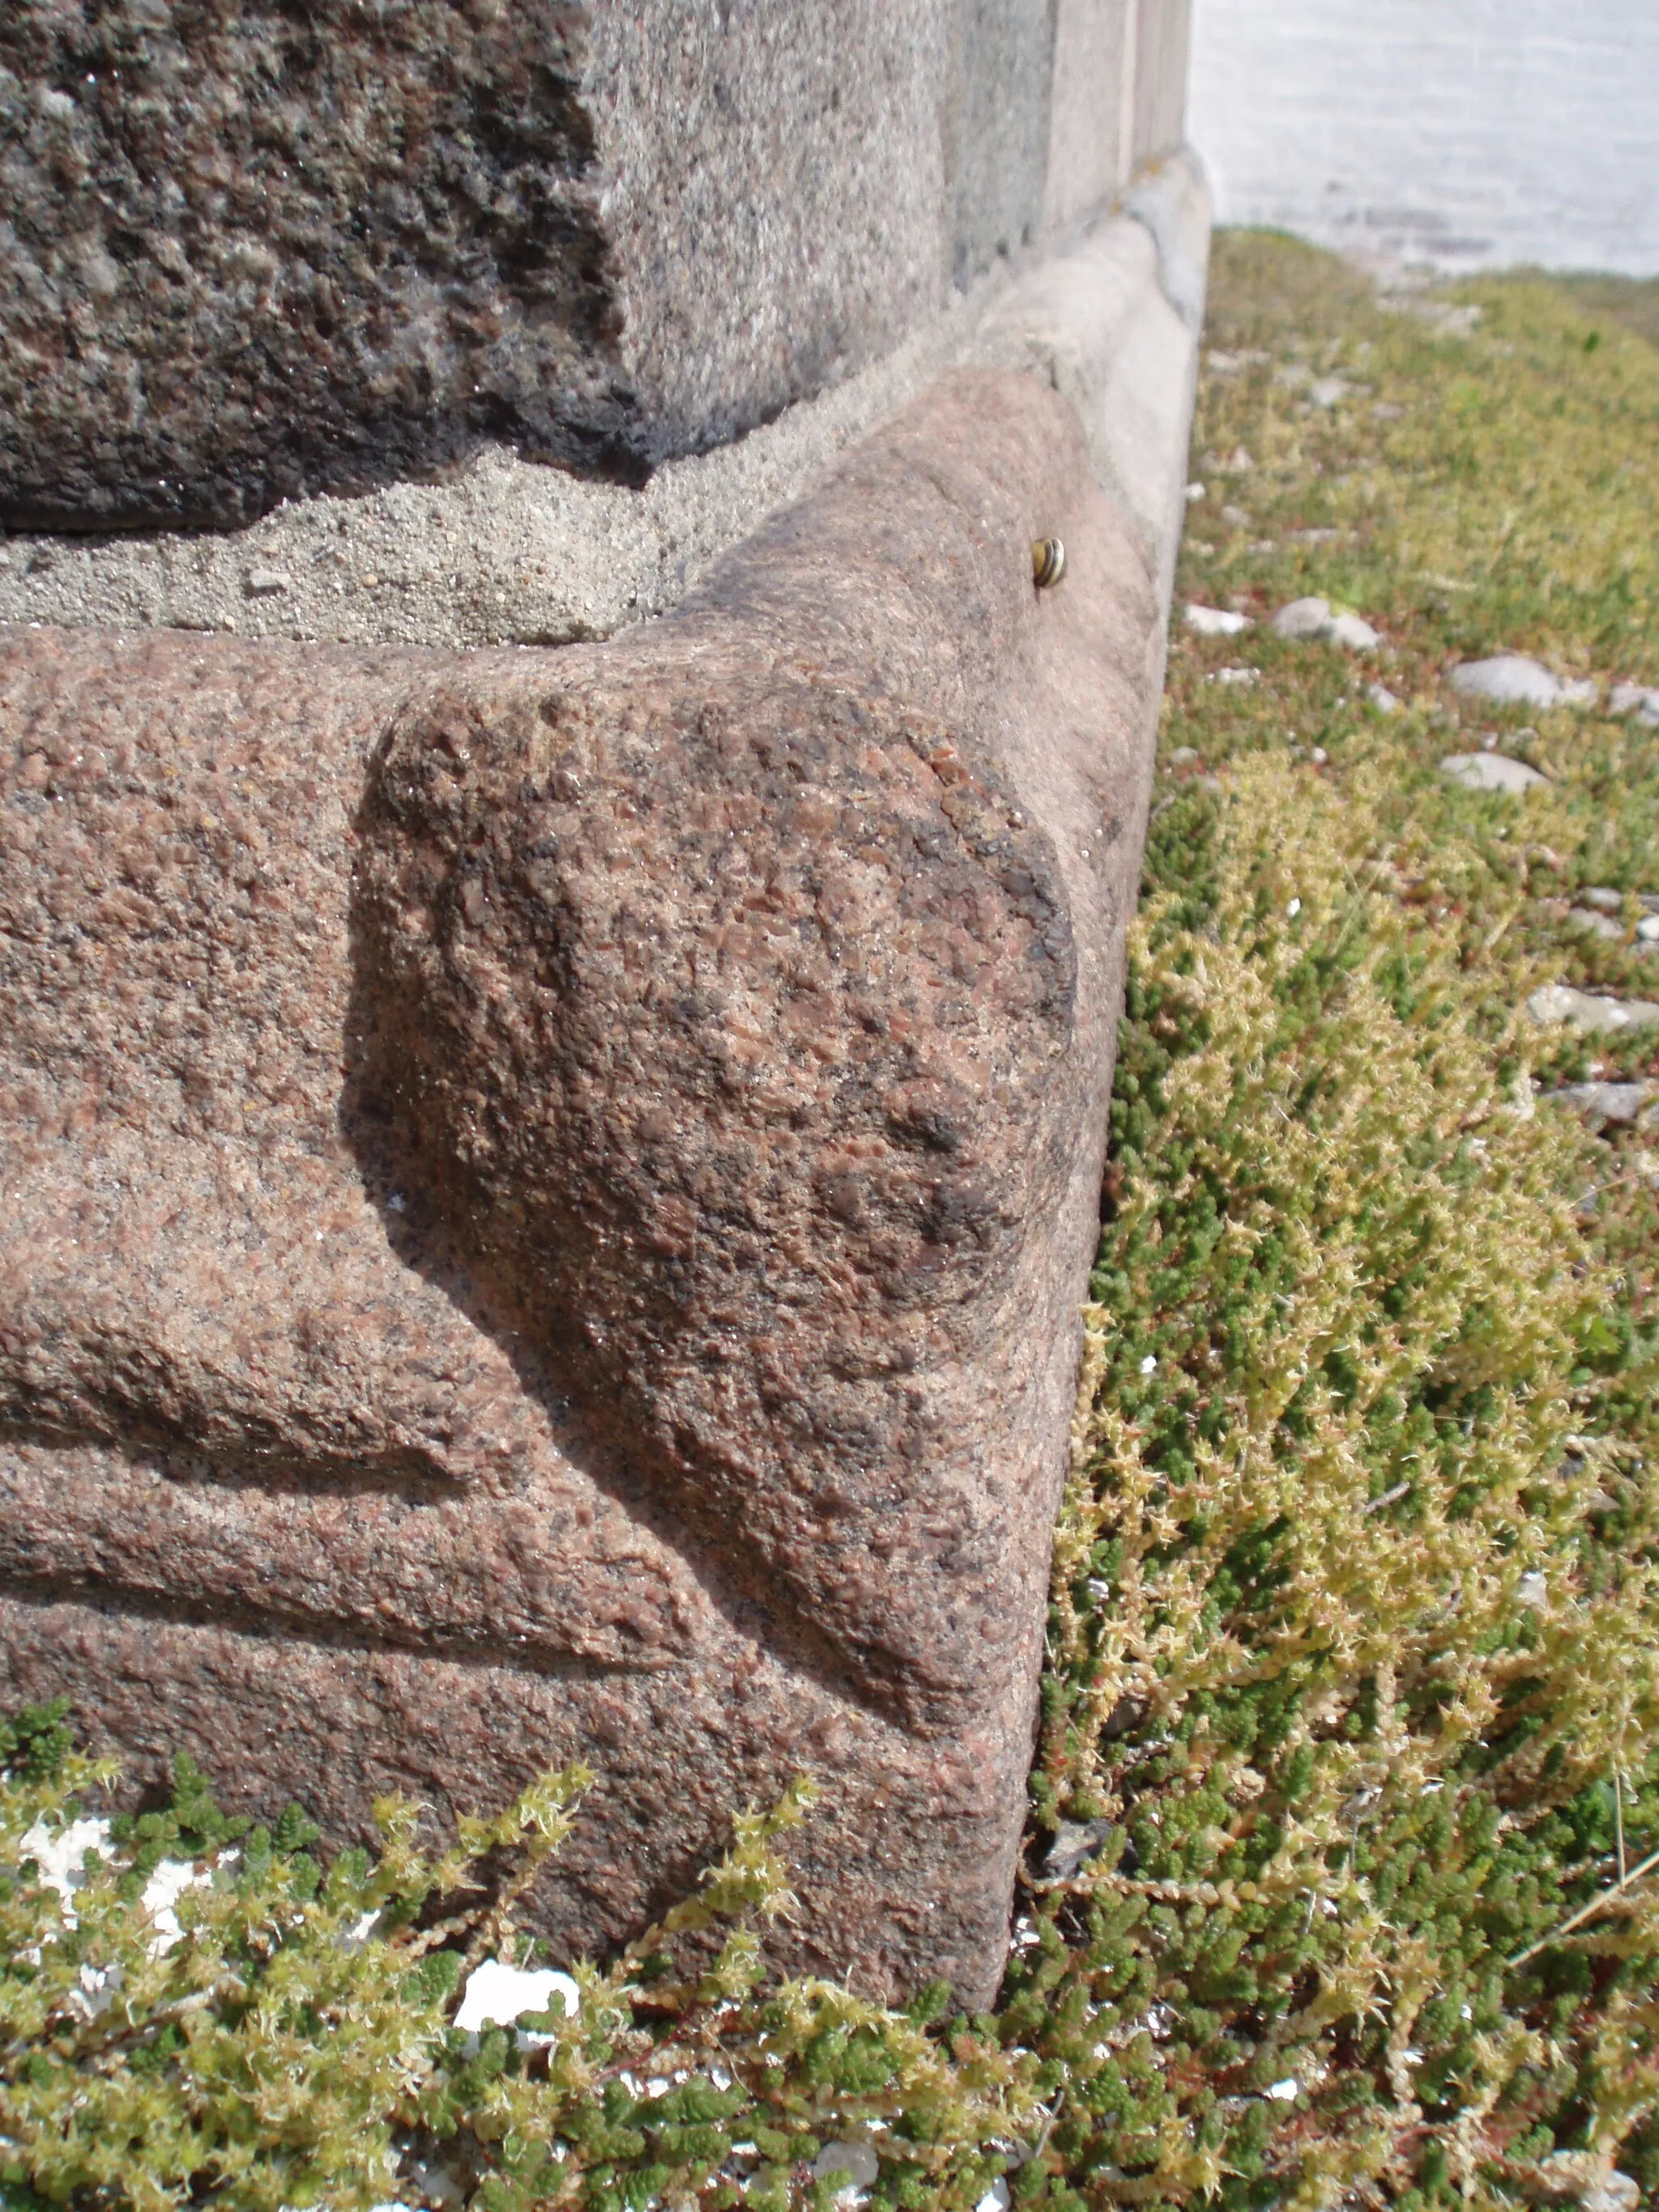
x=294, y=2045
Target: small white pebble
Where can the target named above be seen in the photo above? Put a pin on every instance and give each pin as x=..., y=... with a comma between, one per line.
x=1532, y=1590
x=1287, y=2091
x=61, y=1858
x=1295, y=906
x=996, y=2198
x=162, y=1892
x=1148, y=1364
x=497, y=1996
x=1319, y=756
x=856, y=2160
x=1194, y=491
x=1215, y=621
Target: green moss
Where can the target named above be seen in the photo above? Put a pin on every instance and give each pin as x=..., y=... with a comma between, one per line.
x=1355, y=1636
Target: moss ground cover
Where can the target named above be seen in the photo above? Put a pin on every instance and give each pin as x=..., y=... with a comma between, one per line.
x=1334, y=1888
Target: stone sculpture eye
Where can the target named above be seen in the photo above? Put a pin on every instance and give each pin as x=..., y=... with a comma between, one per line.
x=1048, y=563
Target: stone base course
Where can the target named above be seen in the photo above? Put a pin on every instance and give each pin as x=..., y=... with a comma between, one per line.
x=548, y=1192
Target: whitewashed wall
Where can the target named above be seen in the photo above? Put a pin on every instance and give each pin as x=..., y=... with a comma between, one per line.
x=1469, y=133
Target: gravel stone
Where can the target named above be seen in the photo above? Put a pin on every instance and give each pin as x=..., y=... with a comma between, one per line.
x=1490, y=772
x=1073, y=1843
x=1589, y=1010
x=856, y=2162
x=1510, y=680
x=1303, y=620
x=1216, y=621
x=1594, y=924
x=1601, y=1104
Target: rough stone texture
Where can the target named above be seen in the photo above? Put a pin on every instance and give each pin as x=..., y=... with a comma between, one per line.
x=508, y=552
x=1162, y=31
x=548, y=1193
x=1091, y=124
x=254, y=254
x=267, y=253
x=778, y=193
x=258, y=252
x=1007, y=78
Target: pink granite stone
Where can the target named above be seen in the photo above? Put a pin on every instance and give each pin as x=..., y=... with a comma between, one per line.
x=547, y=1193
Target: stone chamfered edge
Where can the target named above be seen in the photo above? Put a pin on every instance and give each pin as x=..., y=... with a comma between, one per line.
x=549, y=1192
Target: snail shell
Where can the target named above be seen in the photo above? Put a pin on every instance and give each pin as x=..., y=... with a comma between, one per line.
x=1048, y=563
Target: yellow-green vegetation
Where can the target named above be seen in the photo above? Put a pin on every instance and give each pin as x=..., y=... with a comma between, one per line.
x=295, y=2044
x=1336, y=1890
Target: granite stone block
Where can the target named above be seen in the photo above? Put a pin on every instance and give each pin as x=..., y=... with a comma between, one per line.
x=252, y=255
x=548, y=1192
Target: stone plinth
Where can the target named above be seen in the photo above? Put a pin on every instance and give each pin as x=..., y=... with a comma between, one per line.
x=547, y=1193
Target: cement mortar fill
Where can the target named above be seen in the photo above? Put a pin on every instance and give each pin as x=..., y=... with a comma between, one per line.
x=506, y=551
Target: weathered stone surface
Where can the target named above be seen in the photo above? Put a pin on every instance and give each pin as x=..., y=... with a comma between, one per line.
x=251, y=254
x=548, y=1193
x=254, y=253
x=506, y=552
x=1007, y=86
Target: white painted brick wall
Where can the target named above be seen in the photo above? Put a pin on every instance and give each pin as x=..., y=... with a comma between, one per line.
x=1466, y=132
